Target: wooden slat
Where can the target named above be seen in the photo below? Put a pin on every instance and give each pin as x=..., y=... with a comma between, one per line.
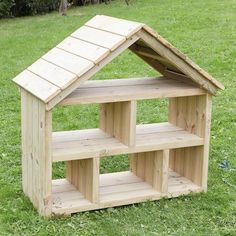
x=114, y=25
x=68, y=61
x=25, y=111
x=84, y=49
x=98, y=91
x=72, y=145
x=52, y=73
x=99, y=37
x=37, y=86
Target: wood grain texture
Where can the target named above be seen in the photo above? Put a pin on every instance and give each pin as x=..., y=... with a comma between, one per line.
x=84, y=175
x=36, y=153
x=37, y=86
x=84, y=49
x=116, y=189
x=114, y=25
x=72, y=145
x=105, y=91
x=68, y=61
x=99, y=37
x=194, y=115
x=119, y=120
x=52, y=73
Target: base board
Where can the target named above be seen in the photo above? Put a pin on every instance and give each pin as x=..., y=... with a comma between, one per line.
x=116, y=189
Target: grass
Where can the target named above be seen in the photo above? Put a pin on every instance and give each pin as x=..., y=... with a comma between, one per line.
x=206, y=32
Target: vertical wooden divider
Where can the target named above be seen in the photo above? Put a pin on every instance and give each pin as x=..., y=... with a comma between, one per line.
x=119, y=120
x=194, y=115
x=152, y=167
x=84, y=175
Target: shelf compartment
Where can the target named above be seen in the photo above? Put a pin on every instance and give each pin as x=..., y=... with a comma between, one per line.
x=82, y=144
x=121, y=188
x=117, y=90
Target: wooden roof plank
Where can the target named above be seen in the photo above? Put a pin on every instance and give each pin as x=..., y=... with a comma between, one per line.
x=68, y=61
x=84, y=49
x=117, y=26
x=37, y=86
x=99, y=37
x=52, y=73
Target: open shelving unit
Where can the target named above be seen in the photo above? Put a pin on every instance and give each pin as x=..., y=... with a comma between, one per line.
x=166, y=159
x=154, y=149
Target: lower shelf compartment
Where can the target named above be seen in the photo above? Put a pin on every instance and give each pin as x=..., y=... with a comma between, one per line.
x=116, y=189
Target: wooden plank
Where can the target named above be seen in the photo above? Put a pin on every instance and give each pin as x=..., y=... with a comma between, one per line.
x=25, y=105
x=160, y=171
x=91, y=72
x=119, y=120
x=68, y=61
x=99, y=37
x=52, y=73
x=45, y=164
x=180, y=63
x=84, y=49
x=37, y=86
x=207, y=110
x=72, y=145
x=114, y=25
x=107, y=91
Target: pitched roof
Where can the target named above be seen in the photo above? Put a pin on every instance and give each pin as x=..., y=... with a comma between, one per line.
x=60, y=71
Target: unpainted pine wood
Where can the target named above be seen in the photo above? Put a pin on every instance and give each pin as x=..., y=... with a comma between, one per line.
x=52, y=73
x=25, y=132
x=152, y=167
x=180, y=63
x=37, y=156
x=108, y=91
x=84, y=49
x=119, y=120
x=37, y=86
x=98, y=37
x=114, y=25
x=68, y=61
x=91, y=72
x=83, y=144
x=84, y=175
x=194, y=115
x=117, y=189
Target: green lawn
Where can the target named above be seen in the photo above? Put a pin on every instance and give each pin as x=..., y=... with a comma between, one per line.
x=206, y=32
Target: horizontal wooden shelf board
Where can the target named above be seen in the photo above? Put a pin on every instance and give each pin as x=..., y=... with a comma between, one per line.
x=116, y=189
x=82, y=144
x=102, y=91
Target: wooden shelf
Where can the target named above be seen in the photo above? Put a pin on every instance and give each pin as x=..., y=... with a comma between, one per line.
x=82, y=144
x=121, y=188
x=105, y=91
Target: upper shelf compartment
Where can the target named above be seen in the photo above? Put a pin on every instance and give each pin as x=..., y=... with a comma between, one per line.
x=104, y=91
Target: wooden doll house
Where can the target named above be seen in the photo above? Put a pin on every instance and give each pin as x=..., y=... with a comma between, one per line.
x=166, y=159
